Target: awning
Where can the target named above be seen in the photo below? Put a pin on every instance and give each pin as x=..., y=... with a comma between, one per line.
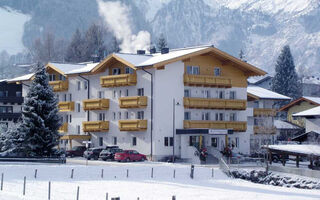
x=75, y=137
x=204, y=131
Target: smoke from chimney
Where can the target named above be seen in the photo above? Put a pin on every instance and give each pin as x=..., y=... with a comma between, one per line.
x=115, y=14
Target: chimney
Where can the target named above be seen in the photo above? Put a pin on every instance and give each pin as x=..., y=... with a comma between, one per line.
x=141, y=52
x=165, y=50
x=153, y=50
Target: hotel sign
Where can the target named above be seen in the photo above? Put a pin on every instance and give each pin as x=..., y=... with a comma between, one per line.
x=218, y=131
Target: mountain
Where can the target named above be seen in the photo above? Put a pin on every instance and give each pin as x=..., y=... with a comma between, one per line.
x=259, y=27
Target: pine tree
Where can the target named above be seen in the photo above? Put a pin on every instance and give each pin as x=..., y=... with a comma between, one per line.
x=75, y=51
x=286, y=80
x=40, y=119
x=162, y=43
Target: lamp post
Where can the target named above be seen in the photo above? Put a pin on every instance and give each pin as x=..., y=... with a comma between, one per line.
x=174, y=126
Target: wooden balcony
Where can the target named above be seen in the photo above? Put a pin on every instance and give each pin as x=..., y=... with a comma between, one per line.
x=95, y=126
x=234, y=125
x=63, y=128
x=133, y=102
x=59, y=86
x=133, y=125
x=96, y=104
x=204, y=103
x=206, y=81
x=66, y=106
x=264, y=130
x=118, y=80
x=264, y=112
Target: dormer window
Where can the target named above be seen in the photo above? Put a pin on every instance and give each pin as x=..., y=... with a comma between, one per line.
x=129, y=70
x=116, y=71
x=52, y=77
x=217, y=71
x=193, y=70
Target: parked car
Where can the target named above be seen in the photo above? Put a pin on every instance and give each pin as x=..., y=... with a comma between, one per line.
x=92, y=153
x=129, y=155
x=75, y=151
x=108, y=154
x=112, y=147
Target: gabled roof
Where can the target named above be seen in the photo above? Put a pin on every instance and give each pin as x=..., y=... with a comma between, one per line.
x=302, y=137
x=26, y=77
x=174, y=55
x=262, y=93
x=308, y=113
x=312, y=100
x=280, y=124
x=259, y=79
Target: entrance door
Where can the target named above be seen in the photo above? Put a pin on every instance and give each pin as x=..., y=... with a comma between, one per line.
x=196, y=141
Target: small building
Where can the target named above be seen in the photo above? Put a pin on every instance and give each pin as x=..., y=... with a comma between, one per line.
x=286, y=130
x=299, y=105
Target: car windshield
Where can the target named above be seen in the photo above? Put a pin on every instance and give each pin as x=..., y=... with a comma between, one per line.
x=105, y=151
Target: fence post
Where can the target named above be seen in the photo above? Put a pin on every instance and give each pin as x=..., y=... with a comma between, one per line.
x=174, y=173
x=35, y=173
x=106, y=195
x=1, y=181
x=115, y=198
x=127, y=173
x=212, y=173
x=192, y=171
x=49, y=190
x=71, y=173
x=173, y=197
x=152, y=172
x=101, y=173
x=78, y=192
x=24, y=186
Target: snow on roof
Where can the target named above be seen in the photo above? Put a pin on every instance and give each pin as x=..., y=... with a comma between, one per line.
x=296, y=148
x=173, y=53
x=87, y=68
x=265, y=94
x=134, y=59
x=279, y=124
x=310, y=112
x=314, y=99
x=258, y=79
x=22, y=78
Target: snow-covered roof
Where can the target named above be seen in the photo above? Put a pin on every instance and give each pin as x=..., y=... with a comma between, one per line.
x=262, y=93
x=258, y=79
x=296, y=148
x=311, y=100
x=310, y=112
x=280, y=124
x=134, y=59
x=73, y=68
x=314, y=99
x=87, y=68
x=26, y=77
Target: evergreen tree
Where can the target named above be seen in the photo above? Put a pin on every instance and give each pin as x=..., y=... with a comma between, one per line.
x=75, y=51
x=286, y=80
x=162, y=43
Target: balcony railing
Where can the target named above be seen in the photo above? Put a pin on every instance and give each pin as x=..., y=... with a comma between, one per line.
x=264, y=130
x=95, y=126
x=204, y=103
x=206, y=81
x=11, y=99
x=59, y=86
x=96, y=104
x=264, y=112
x=133, y=102
x=66, y=106
x=237, y=126
x=133, y=125
x=118, y=80
x=63, y=128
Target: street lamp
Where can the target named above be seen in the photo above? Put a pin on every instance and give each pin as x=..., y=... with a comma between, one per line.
x=174, y=126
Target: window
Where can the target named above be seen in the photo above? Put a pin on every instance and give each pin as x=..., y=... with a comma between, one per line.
x=237, y=142
x=219, y=116
x=214, y=142
x=116, y=71
x=168, y=141
x=233, y=117
x=127, y=92
x=206, y=93
x=85, y=85
x=206, y=116
x=67, y=118
x=78, y=107
x=6, y=109
x=193, y=70
x=78, y=129
x=187, y=116
x=256, y=104
x=186, y=93
x=114, y=94
x=140, y=114
x=134, y=141
x=217, y=71
x=100, y=141
x=58, y=97
x=140, y=92
x=119, y=115
x=193, y=141
x=79, y=85
x=101, y=94
x=221, y=94
x=18, y=94
x=52, y=77
x=70, y=97
x=127, y=115
x=114, y=140
x=129, y=70
x=232, y=95
x=114, y=116
x=102, y=116
x=70, y=118
x=65, y=97
x=120, y=93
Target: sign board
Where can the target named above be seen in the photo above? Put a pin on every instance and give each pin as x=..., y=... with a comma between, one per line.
x=87, y=143
x=218, y=131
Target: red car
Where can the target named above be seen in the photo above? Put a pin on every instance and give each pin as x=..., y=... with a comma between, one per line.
x=129, y=155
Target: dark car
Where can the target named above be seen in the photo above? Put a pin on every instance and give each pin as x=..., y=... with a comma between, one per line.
x=108, y=154
x=92, y=153
x=76, y=151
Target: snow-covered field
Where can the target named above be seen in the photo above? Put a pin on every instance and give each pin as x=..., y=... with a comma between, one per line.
x=139, y=183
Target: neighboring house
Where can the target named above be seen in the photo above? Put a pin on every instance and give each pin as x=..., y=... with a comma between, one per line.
x=10, y=104
x=286, y=130
x=299, y=105
x=265, y=82
x=261, y=122
x=158, y=104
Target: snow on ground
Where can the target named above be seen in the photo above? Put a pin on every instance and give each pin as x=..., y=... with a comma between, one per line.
x=11, y=30
x=139, y=183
